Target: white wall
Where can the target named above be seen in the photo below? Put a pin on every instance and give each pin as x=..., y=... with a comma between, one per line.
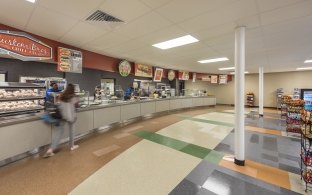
x=286, y=80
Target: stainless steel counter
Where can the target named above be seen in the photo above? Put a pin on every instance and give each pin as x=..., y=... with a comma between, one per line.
x=29, y=132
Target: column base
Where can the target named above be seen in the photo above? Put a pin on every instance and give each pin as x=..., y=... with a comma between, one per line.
x=239, y=162
x=260, y=115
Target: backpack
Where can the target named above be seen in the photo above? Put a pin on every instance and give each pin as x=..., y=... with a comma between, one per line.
x=56, y=113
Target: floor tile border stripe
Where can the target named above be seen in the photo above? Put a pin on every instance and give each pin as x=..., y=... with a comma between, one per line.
x=188, y=148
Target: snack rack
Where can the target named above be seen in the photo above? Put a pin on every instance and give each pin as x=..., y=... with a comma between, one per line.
x=293, y=119
x=306, y=147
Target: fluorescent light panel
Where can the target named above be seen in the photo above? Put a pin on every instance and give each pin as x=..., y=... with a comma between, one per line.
x=228, y=68
x=246, y=72
x=32, y=1
x=176, y=42
x=213, y=60
x=304, y=68
x=308, y=61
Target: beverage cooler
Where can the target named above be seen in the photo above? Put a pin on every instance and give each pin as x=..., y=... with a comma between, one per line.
x=306, y=95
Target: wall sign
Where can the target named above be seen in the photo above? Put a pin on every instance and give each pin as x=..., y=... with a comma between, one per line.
x=124, y=68
x=214, y=78
x=206, y=78
x=171, y=75
x=222, y=79
x=184, y=75
x=158, y=74
x=69, y=60
x=142, y=70
x=23, y=46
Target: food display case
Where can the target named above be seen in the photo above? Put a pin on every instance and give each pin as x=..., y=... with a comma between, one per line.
x=20, y=98
x=84, y=100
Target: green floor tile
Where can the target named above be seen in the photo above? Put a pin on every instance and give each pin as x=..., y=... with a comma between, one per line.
x=163, y=140
x=196, y=151
x=214, y=157
x=209, y=121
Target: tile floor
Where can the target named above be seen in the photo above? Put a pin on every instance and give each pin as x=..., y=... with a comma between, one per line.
x=184, y=152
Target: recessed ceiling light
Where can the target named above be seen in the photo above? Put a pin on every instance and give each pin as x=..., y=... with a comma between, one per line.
x=246, y=72
x=32, y=1
x=176, y=42
x=228, y=68
x=308, y=61
x=213, y=60
x=304, y=68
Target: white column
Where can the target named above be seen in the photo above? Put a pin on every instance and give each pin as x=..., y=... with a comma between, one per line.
x=261, y=91
x=239, y=96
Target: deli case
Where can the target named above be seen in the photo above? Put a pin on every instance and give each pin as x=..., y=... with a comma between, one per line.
x=21, y=98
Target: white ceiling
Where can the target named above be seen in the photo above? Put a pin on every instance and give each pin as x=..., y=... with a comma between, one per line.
x=278, y=34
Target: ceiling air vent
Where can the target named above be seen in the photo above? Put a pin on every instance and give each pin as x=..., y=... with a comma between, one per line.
x=102, y=16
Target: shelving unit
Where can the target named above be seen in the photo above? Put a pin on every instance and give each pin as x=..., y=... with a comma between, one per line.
x=296, y=94
x=279, y=94
x=250, y=97
x=283, y=105
x=306, y=148
x=293, y=119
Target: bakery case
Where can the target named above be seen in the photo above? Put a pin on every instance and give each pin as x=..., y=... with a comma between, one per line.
x=21, y=98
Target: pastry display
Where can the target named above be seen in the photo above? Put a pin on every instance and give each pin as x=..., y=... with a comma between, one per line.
x=18, y=106
x=22, y=93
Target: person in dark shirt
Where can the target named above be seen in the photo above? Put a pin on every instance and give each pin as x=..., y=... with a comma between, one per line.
x=53, y=89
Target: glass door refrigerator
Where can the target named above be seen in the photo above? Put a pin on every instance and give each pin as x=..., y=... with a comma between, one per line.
x=306, y=95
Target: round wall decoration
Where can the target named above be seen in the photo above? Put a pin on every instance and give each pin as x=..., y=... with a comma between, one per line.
x=124, y=68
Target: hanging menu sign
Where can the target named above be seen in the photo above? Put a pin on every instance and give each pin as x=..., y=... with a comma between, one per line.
x=23, y=46
x=184, y=75
x=69, y=60
x=142, y=70
x=214, y=78
x=222, y=79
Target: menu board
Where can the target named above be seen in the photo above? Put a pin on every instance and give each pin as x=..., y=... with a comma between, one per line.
x=142, y=70
x=214, y=78
x=184, y=75
x=158, y=74
x=222, y=79
x=69, y=60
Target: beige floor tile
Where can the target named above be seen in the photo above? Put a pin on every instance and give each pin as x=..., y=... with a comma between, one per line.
x=145, y=168
x=216, y=116
x=297, y=184
x=198, y=133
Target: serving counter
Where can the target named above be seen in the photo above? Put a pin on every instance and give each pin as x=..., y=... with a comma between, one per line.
x=23, y=135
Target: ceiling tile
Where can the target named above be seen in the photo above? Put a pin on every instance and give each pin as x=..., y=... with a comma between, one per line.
x=15, y=13
x=286, y=13
x=125, y=10
x=180, y=10
x=143, y=26
x=267, y=5
x=155, y=4
x=163, y=34
x=231, y=12
x=48, y=23
x=107, y=40
x=81, y=33
x=78, y=9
